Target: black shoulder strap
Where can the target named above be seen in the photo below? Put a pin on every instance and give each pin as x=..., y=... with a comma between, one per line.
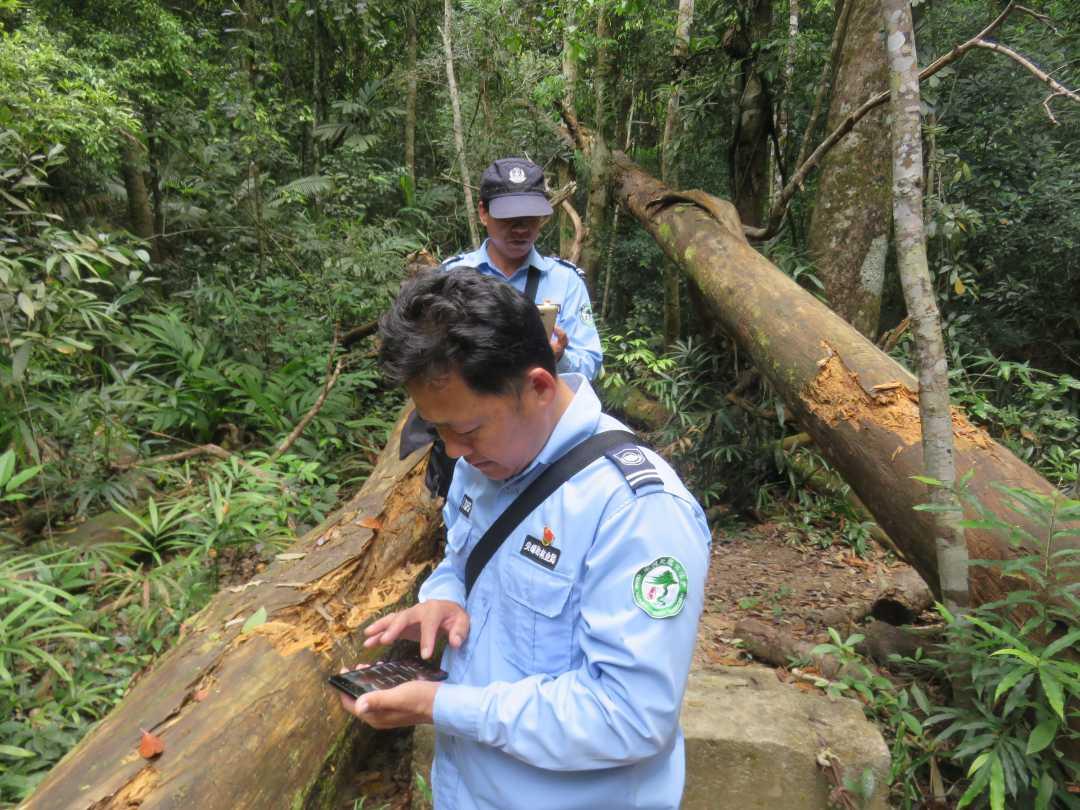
x=570, y=463
x=532, y=283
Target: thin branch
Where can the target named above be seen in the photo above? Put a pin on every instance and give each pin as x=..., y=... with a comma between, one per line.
x=776, y=215
x=823, y=83
x=303, y=423
x=573, y=127
x=1045, y=19
x=199, y=450
x=1057, y=88
x=579, y=232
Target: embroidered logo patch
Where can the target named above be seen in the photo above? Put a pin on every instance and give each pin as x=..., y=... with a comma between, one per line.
x=466, y=506
x=535, y=550
x=660, y=587
x=585, y=313
x=631, y=457
x=517, y=175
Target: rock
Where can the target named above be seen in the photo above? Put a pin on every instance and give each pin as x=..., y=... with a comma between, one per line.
x=752, y=743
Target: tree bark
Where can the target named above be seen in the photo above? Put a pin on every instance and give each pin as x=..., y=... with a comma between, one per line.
x=859, y=405
x=410, y=97
x=672, y=316
x=753, y=113
x=599, y=195
x=140, y=215
x=933, y=366
x=459, y=130
x=784, y=98
x=849, y=226
x=247, y=719
x=567, y=229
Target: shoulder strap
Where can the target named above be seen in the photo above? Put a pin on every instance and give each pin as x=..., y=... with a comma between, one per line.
x=570, y=463
x=532, y=284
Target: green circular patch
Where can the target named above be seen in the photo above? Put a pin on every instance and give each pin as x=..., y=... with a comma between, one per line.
x=660, y=587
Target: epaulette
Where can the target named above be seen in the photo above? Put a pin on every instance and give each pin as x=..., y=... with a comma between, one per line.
x=634, y=465
x=572, y=266
x=448, y=262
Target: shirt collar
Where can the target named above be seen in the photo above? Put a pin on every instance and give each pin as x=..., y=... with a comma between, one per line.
x=578, y=422
x=534, y=259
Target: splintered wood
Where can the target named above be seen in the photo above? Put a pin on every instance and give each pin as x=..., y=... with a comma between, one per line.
x=835, y=395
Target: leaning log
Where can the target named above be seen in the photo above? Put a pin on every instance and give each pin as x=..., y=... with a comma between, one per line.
x=859, y=405
x=246, y=718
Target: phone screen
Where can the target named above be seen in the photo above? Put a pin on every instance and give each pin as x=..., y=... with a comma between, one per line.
x=385, y=675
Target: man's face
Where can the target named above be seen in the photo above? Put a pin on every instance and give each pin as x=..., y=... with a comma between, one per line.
x=499, y=434
x=511, y=238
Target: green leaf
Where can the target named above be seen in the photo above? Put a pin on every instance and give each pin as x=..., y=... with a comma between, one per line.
x=997, y=785
x=26, y=305
x=912, y=723
x=7, y=466
x=15, y=752
x=20, y=361
x=1042, y=735
x=1054, y=693
x=1026, y=657
x=978, y=763
x=254, y=620
x=1008, y=682
x=925, y=479
x=1046, y=791
x=1066, y=641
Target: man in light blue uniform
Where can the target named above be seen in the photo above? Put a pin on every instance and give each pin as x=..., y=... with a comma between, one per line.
x=513, y=208
x=569, y=656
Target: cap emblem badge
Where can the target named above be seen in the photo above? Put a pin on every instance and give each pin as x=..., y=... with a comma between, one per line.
x=517, y=175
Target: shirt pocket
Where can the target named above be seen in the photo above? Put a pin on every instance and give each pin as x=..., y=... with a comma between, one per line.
x=534, y=618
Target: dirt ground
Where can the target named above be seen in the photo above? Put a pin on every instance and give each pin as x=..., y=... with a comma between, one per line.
x=761, y=573
x=757, y=572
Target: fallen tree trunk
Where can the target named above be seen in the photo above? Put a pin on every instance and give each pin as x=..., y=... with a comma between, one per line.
x=247, y=719
x=859, y=405
x=900, y=603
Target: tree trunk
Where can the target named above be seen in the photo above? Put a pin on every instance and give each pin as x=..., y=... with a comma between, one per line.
x=933, y=366
x=859, y=405
x=596, y=206
x=459, y=130
x=140, y=215
x=567, y=229
x=410, y=100
x=753, y=113
x=849, y=226
x=785, y=98
x=247, y=719
x=672, y=317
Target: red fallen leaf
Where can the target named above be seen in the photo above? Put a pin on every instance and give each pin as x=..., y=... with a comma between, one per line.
x=201, y=695
x=370, y=522
x=150, y=746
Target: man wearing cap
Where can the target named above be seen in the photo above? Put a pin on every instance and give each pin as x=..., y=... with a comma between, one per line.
x=514, y=207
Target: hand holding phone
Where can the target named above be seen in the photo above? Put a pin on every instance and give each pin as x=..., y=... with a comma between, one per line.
x=385, y=675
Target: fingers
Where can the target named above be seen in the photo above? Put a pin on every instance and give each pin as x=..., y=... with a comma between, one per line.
x=379, y=625
x=429, y=631
x=387, y=629
x=458, y=628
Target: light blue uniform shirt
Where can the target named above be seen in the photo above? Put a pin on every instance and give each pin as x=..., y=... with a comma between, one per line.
x=566, y=693
x=560, y=284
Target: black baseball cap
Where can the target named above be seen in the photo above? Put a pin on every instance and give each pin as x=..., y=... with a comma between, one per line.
x=514, y=187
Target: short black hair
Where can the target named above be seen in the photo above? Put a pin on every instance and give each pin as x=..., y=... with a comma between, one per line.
x=461, y=320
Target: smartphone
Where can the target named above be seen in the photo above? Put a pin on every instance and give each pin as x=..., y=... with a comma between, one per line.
x=385, y=675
